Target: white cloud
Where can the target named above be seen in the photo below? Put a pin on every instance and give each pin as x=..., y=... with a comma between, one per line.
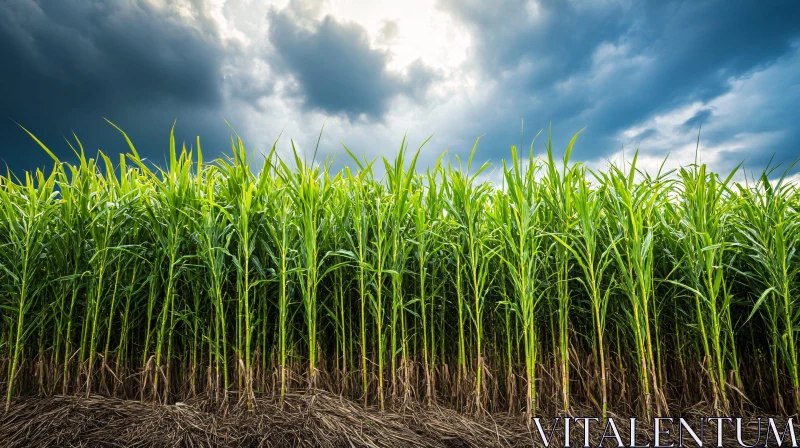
x=746, y=121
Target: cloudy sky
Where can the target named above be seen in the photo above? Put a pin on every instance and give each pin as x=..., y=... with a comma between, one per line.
x=640, y=74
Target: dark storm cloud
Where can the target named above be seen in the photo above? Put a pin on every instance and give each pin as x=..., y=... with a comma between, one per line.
x=605, y=65
x=336, y=69
x=67, y=64
x=549, y=62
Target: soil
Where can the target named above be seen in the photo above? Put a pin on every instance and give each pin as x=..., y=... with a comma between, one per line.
x=304, y=420
x=318, y=420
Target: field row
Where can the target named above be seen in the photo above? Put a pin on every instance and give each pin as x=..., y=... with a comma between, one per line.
x=387, y=282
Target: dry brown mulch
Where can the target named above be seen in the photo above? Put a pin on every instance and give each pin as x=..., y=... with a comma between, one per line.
x=319, y=420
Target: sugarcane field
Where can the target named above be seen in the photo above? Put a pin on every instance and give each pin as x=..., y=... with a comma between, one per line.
x=339, y=223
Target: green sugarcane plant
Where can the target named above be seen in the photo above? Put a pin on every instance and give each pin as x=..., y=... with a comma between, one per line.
x=557, y=192
x=399, y=188
x=518, y=218
x=703, y=235
x=310, y=189
x=467, y=202
x=27, y=209
x=632, y=206
x=593, y=254
x=213, y=233
x=427, y=207
x=282, y=254
x=771, y=229
x=359, y=250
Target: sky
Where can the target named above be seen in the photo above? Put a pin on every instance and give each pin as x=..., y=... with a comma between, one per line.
x=646, y=75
